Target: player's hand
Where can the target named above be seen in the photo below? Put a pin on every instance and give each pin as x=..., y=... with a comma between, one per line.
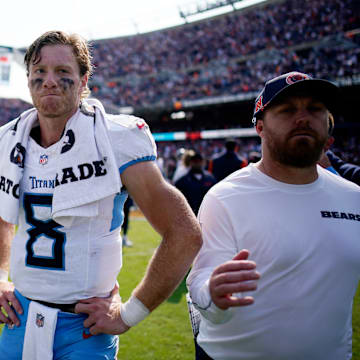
x=104, y=314
x=234, y=276
x=9, y=302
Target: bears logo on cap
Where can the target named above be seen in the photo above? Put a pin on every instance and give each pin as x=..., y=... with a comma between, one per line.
x=294, y=77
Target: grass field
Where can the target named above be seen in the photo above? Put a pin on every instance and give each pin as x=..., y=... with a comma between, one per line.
x=166, y=333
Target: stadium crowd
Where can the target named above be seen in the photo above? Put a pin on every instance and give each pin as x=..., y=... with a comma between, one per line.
x=225, y=55
x=11, y=108
x=229, y=54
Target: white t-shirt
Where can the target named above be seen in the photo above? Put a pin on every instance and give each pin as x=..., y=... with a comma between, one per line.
x=305, y=240
x=63, y=265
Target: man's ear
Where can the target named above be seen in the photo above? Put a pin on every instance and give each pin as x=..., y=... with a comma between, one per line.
x=83, y=81
x=259, y=126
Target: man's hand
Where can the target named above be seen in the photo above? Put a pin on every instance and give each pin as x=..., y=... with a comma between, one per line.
x=8, y=303
x=104, y=314
x=236, y=275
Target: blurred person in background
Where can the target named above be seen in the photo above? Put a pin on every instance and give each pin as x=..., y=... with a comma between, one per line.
x=227, y=162
x=254, y=157
x=183, y=163
x=335, y=164
x=197, y=182
x=348, y=171
x=125, y=225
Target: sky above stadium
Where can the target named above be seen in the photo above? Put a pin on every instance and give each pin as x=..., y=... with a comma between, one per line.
x=23, y=21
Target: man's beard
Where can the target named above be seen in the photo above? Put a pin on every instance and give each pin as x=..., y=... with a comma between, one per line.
x=302, y=153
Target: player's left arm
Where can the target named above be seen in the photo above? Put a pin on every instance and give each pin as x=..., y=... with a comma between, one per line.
x=168, y=212
x=8, y=301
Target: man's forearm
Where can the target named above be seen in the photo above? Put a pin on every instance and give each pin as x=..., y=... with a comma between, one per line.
x=167, y=268
x=6, y=235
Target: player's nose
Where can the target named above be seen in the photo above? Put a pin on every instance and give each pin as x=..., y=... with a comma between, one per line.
x=50, y=80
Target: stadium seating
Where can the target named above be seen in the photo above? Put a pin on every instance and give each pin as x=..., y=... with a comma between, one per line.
x=229, y=54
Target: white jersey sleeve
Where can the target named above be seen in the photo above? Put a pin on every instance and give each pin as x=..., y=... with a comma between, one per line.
x=131, y=140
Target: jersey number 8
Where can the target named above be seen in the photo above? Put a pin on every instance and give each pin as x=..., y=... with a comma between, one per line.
x=45, y=229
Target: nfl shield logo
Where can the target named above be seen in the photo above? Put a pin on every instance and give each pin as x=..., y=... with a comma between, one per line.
x=40, y=319
x=43, y=159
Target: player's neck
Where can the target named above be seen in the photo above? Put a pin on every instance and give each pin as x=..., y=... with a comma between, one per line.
x=288, y=174
x=52, y=128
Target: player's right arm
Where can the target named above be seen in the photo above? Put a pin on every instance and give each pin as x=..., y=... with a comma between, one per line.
x=234, y=276
x=221, y=269
x=8, y=301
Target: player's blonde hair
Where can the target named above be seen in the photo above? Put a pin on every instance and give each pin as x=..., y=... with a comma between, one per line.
x=80, y=46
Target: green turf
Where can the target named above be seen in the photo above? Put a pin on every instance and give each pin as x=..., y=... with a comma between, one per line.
x=356, y=326
x=166, y=333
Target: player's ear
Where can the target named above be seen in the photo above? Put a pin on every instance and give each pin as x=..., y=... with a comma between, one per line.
x=259, y=126
x=83, y=82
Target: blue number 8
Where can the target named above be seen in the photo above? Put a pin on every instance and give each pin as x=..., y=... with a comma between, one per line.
x=46, y=228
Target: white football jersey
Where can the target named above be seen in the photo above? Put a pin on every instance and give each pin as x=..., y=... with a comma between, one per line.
x=63, y=265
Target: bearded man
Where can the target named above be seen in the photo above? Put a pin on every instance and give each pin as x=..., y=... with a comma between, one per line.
x=281, y=235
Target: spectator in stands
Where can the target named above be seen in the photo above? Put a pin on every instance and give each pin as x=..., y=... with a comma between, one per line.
x=196, y=183
x=66, y=195
x=11, y=108
x=225, y=55
x=290, y=221
x=228, y=162
x=217, y=57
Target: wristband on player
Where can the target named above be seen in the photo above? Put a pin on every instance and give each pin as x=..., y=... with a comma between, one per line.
x=4, y=275
x=133, y=311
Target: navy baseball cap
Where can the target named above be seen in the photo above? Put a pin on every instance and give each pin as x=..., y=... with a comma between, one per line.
x=294, y=82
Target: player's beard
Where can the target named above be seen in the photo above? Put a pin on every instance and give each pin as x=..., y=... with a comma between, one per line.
x=63, y=105
x=290, y=151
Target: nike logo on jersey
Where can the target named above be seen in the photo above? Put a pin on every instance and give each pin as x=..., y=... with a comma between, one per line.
x=340, y=215
x=140, y=124
x=86, y=334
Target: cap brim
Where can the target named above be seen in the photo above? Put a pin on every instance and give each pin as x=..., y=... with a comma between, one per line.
x=322, y=90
